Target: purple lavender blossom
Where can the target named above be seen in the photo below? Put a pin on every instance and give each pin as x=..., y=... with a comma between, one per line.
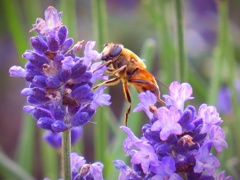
x=205, y=161
x=222, y=176
x=145, y=155
x=177, y=142
x=167, y=122
x=179, y=93
x=81, y=170
x=224, y=98
x=224, y=103
x=150, y=99
x=125, y=171
x=60, y=82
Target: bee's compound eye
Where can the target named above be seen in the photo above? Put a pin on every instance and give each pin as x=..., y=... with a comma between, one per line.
x=115, y=50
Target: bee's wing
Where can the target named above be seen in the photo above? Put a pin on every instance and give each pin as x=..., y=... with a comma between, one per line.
x=143, y=81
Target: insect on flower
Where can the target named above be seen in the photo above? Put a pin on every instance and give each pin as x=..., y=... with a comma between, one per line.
x=128, y=68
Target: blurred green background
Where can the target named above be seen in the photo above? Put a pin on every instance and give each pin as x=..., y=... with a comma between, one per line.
x=148, y=28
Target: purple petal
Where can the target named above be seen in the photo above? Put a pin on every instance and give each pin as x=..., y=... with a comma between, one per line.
x=37, y=112
x=205, y=161
x=39, y=81
x=27, y=91
x=52, y=21
x=76, y=162
x=62, y=34
x=210, y=117
x=97, y=72
x=58, y=111
x=166, y=169
x=90, y=54
x=67, y=44
x=146, y=99
x=35, y=58
x=68, y=63
x=53, y=42
x=130, y=134
x=179, y=93
x=76, y=134
x=52, y=82
x=53, y=139
x=58, y=126
x=96, y=170
x=100, y=99
x=224, y=103
x=83, y=94
x=39, y=44
x=82, y=117
x=222, y=176
x=45, y=123
x=217, y=137
x=78, y=70
x=17, y=71
x=167, y=122
x=29, y=109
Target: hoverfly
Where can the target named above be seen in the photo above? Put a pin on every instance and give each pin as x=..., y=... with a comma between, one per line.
x=128, y=68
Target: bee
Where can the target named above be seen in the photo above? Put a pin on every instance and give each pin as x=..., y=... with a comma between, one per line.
x=126, y=67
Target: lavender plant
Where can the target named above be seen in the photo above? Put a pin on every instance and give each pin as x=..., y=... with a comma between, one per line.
x=177, y=142
x=59, y=81
x=59, y=86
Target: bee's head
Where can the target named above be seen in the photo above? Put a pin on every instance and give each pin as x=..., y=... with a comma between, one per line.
x=111, y=51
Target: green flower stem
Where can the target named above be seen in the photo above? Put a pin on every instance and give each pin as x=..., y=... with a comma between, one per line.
x=101, y=129
x=183, y=65
x=66, y=150
x=99, y=22
x=158, y=11
x=220, y=52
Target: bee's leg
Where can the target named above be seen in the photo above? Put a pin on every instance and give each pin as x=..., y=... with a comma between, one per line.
x=128, y=97
x=123, y=68
x=161, y=101
x=110, y=82
x=110, y=71
x=155, y=89
x=104, y=64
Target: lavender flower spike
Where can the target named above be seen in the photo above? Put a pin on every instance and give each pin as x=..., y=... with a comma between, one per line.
x=177, y=141
x=60, y=82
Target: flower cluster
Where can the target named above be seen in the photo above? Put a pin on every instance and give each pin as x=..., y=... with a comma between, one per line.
x=81, y=170
x=60, y=82
x=177, y=142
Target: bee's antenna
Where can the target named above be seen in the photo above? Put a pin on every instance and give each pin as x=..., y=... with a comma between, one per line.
x=162, y=84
